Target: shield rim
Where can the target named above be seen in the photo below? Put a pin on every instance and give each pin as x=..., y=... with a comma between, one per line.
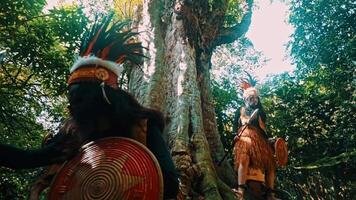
x=155, y=162
x=281, y=162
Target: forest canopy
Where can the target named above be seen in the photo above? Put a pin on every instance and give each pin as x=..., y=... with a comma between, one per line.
x=313, y=107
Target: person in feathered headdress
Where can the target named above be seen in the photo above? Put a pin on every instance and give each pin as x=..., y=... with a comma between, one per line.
x=253, y=155
x=100, y=108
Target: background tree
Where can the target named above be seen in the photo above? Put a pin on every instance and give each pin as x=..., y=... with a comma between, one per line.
x=312, y=107
x=126, y=9
x=180, y=37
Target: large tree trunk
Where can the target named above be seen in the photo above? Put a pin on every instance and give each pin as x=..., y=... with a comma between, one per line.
x=175, y=80
x=225, y=170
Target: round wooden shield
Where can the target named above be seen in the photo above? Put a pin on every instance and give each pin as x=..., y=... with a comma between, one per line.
x=281, y=152
x=110, y=169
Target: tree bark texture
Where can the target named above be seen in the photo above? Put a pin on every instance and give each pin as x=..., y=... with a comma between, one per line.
x=180, y=37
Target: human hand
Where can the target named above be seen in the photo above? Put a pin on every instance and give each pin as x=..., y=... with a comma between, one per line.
x=236, y=138
x=239, y=193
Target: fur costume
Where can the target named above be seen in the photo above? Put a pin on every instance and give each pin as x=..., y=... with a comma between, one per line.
x=253, y=142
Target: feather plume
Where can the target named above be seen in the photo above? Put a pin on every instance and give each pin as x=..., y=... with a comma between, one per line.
x=245, y=85
x=111, y=41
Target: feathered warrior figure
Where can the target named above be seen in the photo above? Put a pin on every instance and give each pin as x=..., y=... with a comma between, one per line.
x=99, y=108
x=253, y=155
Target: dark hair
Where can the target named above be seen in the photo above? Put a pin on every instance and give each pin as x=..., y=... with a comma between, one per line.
x=125, y=111
x=127, y=107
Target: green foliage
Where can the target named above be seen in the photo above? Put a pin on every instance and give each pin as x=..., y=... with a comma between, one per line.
x=231, y=11
x=234, y=12
x=320, y=147
x=36, y=50
x=125, y=9
x=314, y=108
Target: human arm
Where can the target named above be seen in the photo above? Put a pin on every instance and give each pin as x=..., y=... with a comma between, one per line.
x=242, y=173
x=59, y=149
x=16, y=158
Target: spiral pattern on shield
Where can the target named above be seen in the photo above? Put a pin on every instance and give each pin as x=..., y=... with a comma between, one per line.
x=110, y=169
x=99, y=184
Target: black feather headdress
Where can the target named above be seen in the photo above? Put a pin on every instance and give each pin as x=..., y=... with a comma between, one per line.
x=104, y=48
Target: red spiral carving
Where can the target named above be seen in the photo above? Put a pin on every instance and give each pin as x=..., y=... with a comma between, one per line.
x=110, y=169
